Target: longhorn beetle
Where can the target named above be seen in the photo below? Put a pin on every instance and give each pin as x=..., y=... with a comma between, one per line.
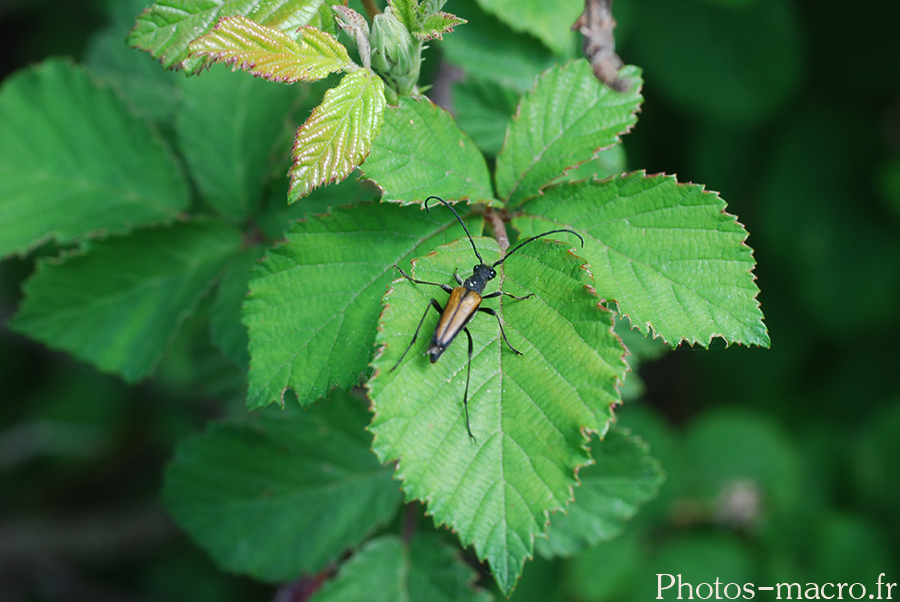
x=465, y=299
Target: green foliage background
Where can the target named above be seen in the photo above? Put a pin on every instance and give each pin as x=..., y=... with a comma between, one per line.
x=783, y=464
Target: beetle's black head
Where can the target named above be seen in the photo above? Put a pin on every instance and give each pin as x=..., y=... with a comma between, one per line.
x=481, y=275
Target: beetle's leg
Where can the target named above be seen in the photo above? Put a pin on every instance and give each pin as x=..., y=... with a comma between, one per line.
x=439, y=309
x=456, y=275
x=447, y=288
x=491, y=312
x=466, y=394
x=496, y=294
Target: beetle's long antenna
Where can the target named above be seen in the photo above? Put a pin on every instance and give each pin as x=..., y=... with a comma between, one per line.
x=462, y=223
x=533, y=238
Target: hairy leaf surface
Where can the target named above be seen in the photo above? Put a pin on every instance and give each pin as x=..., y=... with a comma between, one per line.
x=529, y=413
x=421, y=152
x=268, y=53
x=314, y=302
x=667, y=253
x=561, y=123
x=338, y=135
x=436, y=25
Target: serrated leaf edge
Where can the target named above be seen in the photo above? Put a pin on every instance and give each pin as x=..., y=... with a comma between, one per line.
x=647, y=328
x=586, y=432
x=298, y=187
x=292, y=50
x=451, y=21
x=618, y=137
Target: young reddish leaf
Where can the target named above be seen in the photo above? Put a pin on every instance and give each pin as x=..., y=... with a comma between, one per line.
x=436, y=25
x=269, y=53
x=338, y=135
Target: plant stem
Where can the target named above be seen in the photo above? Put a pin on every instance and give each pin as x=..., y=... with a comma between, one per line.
x=371, y=9
x=596, y=24
x=410, y=517
x=499, y=229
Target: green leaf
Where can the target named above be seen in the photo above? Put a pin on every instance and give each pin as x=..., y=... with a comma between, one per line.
x=278, y=216
x=483, y=109
x=607, y=163
x=324, y=19
x=421, y=152
x=120, y=301
x=427, y=8
x=623, y=477
x=149, y=91
x=530, y=414
x=487, y=49
x=436, y=25
x=286, y=15
x=667, y=253
x=405, y=11
x=561, y=123
x=167, y=28
x=387, y=570
x=338, y=135
x=609, y=571
x=550, y=22
x=225, y=129
x=228, y=333
x=268, y=53
x=314, y=301
x=66, y=178
x=285, y=494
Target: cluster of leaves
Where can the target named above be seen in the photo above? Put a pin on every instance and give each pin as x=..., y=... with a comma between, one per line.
x=137, y=262
x=295, y=42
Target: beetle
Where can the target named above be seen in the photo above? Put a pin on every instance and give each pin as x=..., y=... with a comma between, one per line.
x=464, y=302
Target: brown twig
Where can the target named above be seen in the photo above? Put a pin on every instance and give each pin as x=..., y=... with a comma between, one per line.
x=499, y=229
x=410, y=519
x=371, y=8
x=596, y=24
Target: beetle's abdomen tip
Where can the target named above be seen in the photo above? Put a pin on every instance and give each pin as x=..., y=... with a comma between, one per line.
x=434, y=352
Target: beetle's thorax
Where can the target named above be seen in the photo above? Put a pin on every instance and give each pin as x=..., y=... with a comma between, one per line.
x=481, y=275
